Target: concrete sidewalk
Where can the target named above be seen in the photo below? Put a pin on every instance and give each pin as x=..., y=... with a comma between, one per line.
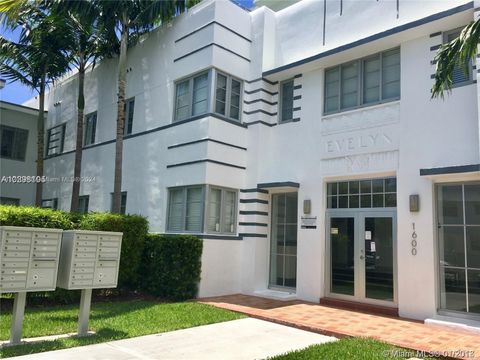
x=239, y=339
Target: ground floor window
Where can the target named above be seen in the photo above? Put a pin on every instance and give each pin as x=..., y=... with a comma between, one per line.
x=458, y=212
x=283, y=249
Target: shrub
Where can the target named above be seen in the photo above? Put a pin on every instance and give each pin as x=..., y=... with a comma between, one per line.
x=134, y=229
x=171, y=266
x=36, y=217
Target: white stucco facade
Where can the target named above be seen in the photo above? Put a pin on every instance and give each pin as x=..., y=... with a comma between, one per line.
x=262, y=48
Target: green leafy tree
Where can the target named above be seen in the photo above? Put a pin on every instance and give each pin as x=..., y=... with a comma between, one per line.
x=36, y=60
x=129, y=20
x=459, y=52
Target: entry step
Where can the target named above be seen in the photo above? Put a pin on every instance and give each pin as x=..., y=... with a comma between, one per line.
x=455, y=323
x=358, y=306
x=276, y=294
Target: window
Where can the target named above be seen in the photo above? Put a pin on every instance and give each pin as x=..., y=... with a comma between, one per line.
x=50, y=203
x=90, y=128
x=458, y=212
x=9, y=201
x=129, y=110
x=191, y=97
x=187, y=210
x=459, y=76
x=283, y=246
x=371, y=193
x=13, y=142
x=83, y=204
x=286, y=100
x=221, y=210
x=123, y=202
x=55, y=140
x=363, y=82
x=228, y=96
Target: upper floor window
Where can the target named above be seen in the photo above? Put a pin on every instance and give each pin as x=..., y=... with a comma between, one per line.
x=227, y=96
x=83, y=204
x=366, y=81
x=188, y=206
x=129, y=110
x=13, y=142
x=192, y=96
x=55, y=140
x=123, y=202
x=459, y=76
x=286, y=100
x=90, y=128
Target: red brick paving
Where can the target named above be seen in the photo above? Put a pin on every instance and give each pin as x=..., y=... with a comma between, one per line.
x=341, y=323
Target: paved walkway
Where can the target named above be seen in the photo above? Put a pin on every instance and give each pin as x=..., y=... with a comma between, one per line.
x=238, y=339
x=340, y=323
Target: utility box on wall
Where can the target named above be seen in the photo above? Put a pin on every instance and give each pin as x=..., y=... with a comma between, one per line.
x=89, y=259
x=28, y=258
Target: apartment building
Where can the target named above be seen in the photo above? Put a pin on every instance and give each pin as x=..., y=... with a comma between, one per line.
x=302, y=145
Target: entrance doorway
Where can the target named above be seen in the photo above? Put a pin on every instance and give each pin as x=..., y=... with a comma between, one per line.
x=361, y=254
x=361, y=241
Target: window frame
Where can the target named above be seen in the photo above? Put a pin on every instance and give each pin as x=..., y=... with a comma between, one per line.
x=228, y=96
x=280, y=100
x=15, y=141
x=128, y=103
x=63, y=127
x=54, y=203
x=206, y=188
x=360, y=83
x=87, y=199
x=15, y=201
x=470, y=79
x=85, y=124
x=190, y=80
x=123, y=207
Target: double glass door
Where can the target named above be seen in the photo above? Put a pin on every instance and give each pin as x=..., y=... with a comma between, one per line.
x=361, y=256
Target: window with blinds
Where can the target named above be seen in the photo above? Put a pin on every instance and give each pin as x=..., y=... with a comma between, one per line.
x=189, y=206
x=286, y=101
x=461, y=74
x=191, y=97
x=227, y=96
x=363, y=82
x=90, y=128
x=13, y=142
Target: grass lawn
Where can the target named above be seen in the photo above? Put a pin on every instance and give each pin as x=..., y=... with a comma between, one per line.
x=349, y=349
x=110, y=320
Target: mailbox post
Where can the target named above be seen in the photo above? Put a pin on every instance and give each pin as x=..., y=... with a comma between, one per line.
x=28, y=262
x=89, y=260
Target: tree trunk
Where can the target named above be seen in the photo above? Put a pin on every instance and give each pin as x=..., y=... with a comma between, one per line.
x=40, y=143
x=122, y=72
x=77, y=170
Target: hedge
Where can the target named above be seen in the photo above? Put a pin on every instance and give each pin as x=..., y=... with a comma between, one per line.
x=171, y=266
x=134, y=229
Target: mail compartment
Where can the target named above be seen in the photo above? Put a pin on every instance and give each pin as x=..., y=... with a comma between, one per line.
x=85, y=255
x=9, y=271
x=51, y=264
x=83, y=264
x=48, y=242
x=111, y=263
x=13, y=234
x=83, y=236
x=19, y=241
x=84, y=270
x=46, y=235
x=92, y=243
x=41, y=279
x=13, y=277
x=44, y=255
x=43, y=248
x=105, y=276
x=81, y=284
x=16, y=247
x=14, y=264
x=82, y=249
x=16, y=254
x=9, y=286
x=82, y=276
x=109, y=238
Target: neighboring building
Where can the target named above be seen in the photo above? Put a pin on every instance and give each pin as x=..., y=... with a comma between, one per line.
x=292, y=143
x=18, y=153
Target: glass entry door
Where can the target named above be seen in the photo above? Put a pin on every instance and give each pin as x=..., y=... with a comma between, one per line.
x=361, y=254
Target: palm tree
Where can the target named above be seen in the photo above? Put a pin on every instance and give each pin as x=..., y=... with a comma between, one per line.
x=460, y=51
x=86, y=46
x=129, y=20
x=36, y=60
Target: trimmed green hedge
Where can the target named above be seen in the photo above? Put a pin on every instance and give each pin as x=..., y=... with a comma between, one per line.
x=134, y=229
x=171, y=266
x=37, y=217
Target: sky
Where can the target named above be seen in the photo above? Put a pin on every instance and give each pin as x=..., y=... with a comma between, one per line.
x=17, y=93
